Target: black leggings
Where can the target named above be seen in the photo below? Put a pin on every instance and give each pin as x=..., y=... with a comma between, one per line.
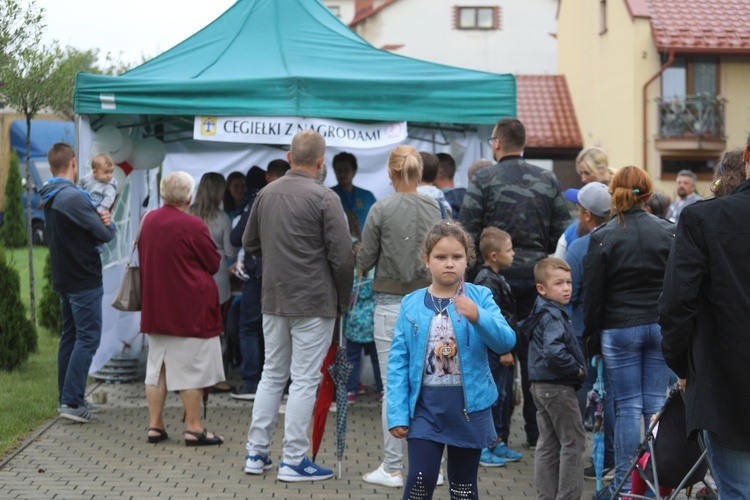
x=424, y=466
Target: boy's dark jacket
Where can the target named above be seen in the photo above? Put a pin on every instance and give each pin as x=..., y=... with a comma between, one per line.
x=554, y=354
x=501, y=294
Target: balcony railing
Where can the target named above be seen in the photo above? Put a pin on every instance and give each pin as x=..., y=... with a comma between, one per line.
x=694, y=116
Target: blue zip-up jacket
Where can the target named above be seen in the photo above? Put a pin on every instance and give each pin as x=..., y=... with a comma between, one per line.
x=409, y=349
x=73, y=230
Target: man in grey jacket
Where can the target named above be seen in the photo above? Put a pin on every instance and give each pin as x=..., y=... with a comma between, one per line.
x=299, y=228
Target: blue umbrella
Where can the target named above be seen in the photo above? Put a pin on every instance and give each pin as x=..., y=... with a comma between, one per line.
x=596, y=397
x=340, y=371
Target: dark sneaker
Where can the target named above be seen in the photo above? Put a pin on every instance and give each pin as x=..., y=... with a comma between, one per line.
x=244, y=393
x=256, y=464
x=590, y=472
x=80, y=414
x=305, y=471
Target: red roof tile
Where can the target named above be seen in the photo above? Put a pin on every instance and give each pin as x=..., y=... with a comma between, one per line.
x=701, y=26
x=546, y=109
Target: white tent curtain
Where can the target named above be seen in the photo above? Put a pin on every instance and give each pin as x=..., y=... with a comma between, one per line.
x=120, y=331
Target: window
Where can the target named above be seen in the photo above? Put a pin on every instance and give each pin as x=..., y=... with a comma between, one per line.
x=335, y=9
x=703, y=167
x=478, y=18
x=688, y=76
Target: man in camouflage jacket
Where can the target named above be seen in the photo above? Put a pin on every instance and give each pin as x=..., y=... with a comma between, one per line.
x=527, y=202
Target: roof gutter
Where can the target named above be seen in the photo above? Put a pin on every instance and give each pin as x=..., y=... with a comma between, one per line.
x=667, y=64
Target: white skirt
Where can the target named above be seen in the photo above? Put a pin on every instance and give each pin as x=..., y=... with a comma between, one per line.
x=190, y=363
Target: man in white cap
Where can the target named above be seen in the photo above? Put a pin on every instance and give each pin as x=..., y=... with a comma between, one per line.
x=593, y=202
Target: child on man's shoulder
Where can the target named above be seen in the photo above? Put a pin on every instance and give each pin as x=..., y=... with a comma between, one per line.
x=556, y=371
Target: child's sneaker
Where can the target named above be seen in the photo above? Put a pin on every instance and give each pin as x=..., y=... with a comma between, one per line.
x=502, y=451
x=381, y=396
x=360, y=389
x=305, y=471
x=351, y=397
x=488, y=459
x=256, y=464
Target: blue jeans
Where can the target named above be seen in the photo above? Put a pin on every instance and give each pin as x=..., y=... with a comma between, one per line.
x=638, y=377
x=500, y=374
x=251, y=334
x=354, y=355
x=731, y=469
x=82, y=332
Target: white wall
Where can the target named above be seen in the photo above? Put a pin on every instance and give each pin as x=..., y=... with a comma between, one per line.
x=425, y=27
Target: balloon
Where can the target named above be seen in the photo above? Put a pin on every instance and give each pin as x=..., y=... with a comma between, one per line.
x=107, y=140
x=147, y=153
x=121, y=177
x=124, y=152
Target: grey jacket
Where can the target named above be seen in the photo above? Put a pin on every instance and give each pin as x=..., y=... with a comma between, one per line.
x=392, y=242
x=299, y=228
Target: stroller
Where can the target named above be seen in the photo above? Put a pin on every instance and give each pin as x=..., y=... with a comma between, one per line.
x=674, y=462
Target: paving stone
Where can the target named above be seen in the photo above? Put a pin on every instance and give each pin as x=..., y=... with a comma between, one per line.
x=112, y=459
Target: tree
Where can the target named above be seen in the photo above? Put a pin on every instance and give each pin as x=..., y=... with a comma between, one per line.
x=37, y=77
x=17, y=334
x=13, y=232
x=18, y=26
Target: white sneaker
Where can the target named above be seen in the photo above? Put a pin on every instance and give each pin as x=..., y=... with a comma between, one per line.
x=441, y=479
x=383, y=478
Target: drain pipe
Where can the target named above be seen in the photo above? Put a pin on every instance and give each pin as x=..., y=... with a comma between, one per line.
x=667, y=64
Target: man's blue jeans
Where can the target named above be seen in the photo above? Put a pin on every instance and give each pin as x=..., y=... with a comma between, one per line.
x=82, y=332
x=638, y=377
x=731, y=469
x=251, y=334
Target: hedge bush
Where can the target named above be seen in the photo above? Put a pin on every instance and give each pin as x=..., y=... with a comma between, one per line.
x=50, y=312
x=17, y=335
x=13, y=231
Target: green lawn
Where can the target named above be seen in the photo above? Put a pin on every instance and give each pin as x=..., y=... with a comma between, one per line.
x=28, y=396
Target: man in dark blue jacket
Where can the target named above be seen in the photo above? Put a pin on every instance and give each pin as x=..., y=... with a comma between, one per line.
x=251, y=318
x=74, y=230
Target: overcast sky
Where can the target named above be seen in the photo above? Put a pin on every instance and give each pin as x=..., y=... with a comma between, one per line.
x=134, y=28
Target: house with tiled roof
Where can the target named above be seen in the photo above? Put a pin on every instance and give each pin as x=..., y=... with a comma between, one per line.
x=661, y=84
x=500, y=36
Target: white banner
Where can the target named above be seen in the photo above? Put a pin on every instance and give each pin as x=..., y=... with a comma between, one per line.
x=281, y=129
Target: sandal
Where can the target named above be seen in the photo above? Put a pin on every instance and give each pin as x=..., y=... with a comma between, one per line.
x=157, y=439
x=202, y=439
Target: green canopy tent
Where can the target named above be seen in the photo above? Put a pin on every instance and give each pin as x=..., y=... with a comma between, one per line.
x=295, y=58
x=269, y=58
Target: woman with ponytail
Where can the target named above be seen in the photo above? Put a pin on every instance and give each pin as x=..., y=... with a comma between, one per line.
x=391, y=243
x=624, y=272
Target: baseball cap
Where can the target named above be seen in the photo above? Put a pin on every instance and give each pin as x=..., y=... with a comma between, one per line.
x=594, y=197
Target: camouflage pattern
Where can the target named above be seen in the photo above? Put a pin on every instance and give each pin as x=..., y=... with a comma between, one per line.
x=522, y=199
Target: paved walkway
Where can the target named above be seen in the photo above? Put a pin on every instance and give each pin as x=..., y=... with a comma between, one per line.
x=111, y=458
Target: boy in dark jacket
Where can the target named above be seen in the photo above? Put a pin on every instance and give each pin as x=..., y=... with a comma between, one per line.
x=556, y=371
x=496, y=248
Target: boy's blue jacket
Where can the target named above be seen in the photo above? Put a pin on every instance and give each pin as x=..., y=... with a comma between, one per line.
x=408, y=351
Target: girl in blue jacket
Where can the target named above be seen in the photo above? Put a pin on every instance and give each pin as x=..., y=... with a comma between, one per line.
x=440, y=387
